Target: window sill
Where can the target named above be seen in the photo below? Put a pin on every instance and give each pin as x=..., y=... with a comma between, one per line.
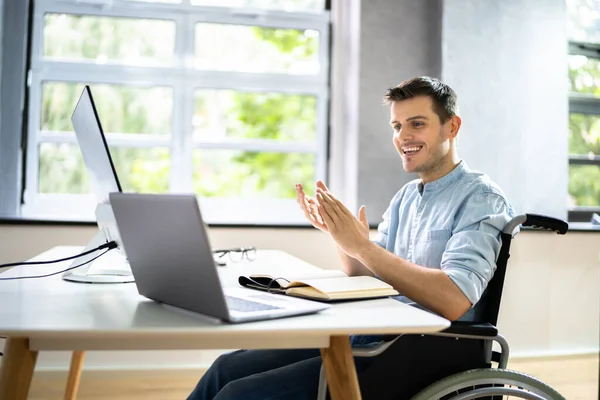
x=583, y=227
x=90, y=223
x=47, y=221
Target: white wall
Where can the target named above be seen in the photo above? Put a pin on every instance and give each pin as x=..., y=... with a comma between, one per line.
x=508, y=62
x=551, y=302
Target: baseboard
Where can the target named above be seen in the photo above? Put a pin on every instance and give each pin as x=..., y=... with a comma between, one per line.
x=167, y=368
x=174, y=369
x=554, y=354
x=105, y=373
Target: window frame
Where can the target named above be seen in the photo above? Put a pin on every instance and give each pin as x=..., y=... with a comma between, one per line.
x=589, y=105
x=184, y=81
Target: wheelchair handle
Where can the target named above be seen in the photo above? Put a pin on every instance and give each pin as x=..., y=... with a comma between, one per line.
x=544, y=222
x=537, y=221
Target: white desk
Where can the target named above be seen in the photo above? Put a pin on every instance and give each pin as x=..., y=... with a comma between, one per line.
x=52, y=314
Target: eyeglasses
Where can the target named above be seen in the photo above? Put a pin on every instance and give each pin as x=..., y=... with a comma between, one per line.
x=236, y=254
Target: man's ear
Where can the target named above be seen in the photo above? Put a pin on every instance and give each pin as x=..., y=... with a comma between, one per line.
x=455, y=123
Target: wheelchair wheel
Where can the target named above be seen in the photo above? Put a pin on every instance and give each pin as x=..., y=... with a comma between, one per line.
x=488, y=383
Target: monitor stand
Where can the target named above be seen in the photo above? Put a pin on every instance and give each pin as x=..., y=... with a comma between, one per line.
x=109, y=268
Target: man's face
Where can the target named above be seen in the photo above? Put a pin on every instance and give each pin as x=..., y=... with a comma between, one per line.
x=419, y=137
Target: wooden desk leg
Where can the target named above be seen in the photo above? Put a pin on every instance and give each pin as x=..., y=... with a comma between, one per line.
x=74, y=375
x=17, y=369
x=340, y=369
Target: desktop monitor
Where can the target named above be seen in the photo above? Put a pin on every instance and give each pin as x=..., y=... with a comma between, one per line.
x=113, y=267
x=94, y=148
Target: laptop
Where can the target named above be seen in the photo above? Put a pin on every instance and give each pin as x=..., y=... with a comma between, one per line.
x=167, y=246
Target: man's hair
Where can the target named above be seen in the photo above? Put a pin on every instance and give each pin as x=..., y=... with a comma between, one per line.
x=443, y=97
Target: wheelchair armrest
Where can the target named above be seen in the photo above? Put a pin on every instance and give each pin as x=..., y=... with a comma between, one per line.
x=483, y=329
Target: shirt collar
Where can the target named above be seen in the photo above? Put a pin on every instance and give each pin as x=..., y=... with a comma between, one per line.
x=444, y=181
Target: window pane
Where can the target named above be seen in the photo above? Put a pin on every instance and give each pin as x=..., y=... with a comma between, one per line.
x=584, y=74
x=287, y=5
x=583, y=20
x=62, y=170
x=584, y=185
x=122, y=109
x=277, y=116
x=584, y=134
x=256, y=49
x=143, y=170
x=109, y=40
x=230, y=173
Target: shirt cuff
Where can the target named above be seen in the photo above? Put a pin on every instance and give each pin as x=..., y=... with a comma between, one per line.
x=468, y=282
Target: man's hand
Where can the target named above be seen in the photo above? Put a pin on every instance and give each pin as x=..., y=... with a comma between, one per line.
x=349, y=233
x=310, y=207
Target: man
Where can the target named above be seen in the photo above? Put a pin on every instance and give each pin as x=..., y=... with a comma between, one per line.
x=437, y=245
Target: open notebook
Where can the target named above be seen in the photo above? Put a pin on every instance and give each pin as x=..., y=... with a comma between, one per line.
x=319, y=284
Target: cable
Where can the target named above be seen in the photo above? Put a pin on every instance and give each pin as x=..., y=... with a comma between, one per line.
x=58, y=272
x=108, y=245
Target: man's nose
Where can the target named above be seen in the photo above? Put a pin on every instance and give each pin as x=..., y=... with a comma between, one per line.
x=404, y=135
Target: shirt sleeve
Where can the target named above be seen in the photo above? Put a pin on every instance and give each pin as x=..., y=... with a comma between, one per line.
x=471, y=253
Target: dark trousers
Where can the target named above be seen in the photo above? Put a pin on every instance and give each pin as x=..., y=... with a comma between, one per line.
x=409, y=365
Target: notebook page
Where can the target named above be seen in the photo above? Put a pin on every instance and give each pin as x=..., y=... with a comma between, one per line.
x=347, y=284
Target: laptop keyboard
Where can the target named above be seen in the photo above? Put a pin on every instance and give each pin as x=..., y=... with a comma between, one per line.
x=243, y=305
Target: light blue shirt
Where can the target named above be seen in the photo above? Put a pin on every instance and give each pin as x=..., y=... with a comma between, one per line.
x=453, y=224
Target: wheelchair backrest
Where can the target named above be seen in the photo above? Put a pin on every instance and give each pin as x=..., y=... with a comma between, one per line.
x=488, y=307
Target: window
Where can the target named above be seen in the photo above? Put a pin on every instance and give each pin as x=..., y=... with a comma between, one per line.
x=584, y=108
x=225, y=99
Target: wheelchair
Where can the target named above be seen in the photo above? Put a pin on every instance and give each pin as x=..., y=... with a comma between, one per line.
x=463, y=371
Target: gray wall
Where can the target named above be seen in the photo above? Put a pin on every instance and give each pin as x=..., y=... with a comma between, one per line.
x=399, y=40
x=13, y=31
x=1, y=30
x=507, y=62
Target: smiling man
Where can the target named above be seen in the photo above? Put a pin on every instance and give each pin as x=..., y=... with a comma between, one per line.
x=440, y=237
x=437, y=245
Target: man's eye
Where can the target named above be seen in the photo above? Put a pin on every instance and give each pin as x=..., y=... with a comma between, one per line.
x=417, y=124
x=397, y=127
